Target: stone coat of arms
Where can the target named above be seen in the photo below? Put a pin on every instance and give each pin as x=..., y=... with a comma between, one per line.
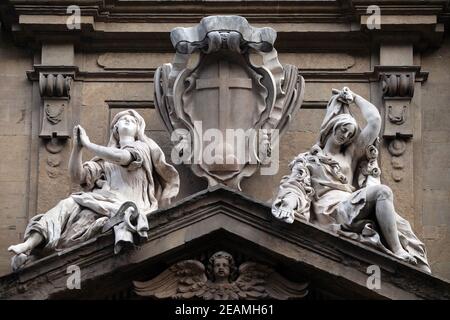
x=225, y=97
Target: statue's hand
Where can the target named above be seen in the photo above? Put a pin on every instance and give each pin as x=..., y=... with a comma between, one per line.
x=347, y=95
x=285, y=211
x=287, y=215
x=76, y=140
x=82, y=138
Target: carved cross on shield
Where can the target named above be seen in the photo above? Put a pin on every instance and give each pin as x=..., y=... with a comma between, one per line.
x=227, y=101
x=224, y=83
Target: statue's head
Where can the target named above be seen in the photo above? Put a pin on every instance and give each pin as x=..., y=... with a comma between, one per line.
x=342, y=128
x=127, y=123
x=344, y=133
x=221, y=266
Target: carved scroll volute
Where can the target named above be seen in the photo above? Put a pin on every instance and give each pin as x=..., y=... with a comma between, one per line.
x=55, y=92
x=55, y=85
x=398, y=85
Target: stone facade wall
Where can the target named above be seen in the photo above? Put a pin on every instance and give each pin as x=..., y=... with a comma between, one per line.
x=15, y=138
x=33, y=179
x=434, y=171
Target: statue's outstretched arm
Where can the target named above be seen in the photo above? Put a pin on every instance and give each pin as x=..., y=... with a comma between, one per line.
x=111, y=154
x=371, y=131
x=118, y=156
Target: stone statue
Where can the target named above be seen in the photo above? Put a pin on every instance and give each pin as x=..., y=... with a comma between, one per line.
x=336, y=184
x=189, y=279
x=226, y=92
x=129, y=178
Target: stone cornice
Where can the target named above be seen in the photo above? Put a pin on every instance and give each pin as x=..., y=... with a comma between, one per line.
x=147, y=74
x=144, y=25
x=222, y=217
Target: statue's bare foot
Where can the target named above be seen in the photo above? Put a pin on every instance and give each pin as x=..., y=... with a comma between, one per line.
x=19, y=248
x=405, y=256
x=18, y=261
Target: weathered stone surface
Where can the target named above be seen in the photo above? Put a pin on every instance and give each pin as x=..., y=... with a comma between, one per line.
x=57, y=54
x=400, y=181
x=320, y=91
x=15, y=116
x=15, y=130
x=322, y=61
x=396, y=55
x=54, y=180
x=117, y=57
x=111, y=61
x=435, y=167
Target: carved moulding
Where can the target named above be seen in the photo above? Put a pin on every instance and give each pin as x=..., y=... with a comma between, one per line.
x=397, y=148
x=225, y=90
x=220, y=279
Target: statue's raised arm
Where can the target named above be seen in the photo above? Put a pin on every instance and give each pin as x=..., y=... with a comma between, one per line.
x=372, y=129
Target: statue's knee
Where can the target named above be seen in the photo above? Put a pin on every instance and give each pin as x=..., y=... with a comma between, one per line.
x=384, y=193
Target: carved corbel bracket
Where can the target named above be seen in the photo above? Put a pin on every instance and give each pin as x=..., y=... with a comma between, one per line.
x=55, y=92
x=398, y=90
x=400, y=84
x=397, y=84
x=54, y=86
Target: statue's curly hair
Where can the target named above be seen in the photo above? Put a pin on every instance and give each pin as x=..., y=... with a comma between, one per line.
x=225, y=255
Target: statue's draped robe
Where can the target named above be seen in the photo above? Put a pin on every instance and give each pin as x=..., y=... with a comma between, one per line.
x=144, y=181
x=337, y=206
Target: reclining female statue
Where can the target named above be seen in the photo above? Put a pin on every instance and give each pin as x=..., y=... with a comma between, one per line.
x=130, y=174
x=336, y=184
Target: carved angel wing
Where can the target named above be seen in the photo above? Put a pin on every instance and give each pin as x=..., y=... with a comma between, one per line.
x=185, y=280
x=257, y=281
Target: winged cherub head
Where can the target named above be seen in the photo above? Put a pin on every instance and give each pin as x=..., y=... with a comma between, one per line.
x=221, y=267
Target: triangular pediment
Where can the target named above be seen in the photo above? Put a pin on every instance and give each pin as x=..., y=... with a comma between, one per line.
x=223, y=219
